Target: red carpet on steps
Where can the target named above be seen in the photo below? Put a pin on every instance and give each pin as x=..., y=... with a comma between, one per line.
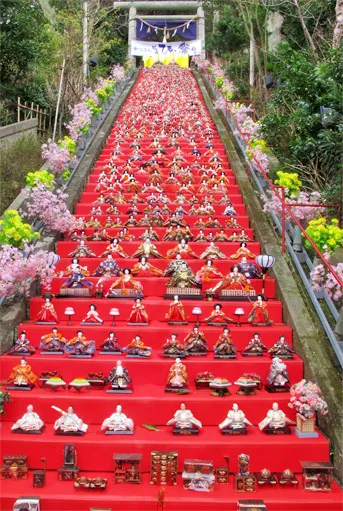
x=149, y=403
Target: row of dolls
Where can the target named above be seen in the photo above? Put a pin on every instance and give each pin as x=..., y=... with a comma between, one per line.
x=148, y=249
x=194, y=343
x=183, y=422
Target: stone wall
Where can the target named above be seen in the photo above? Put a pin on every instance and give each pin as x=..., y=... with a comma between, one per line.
x=10, y=133
x=309, y=338
x=12, y=315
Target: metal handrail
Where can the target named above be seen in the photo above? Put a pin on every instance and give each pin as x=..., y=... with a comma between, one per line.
x=254, y=166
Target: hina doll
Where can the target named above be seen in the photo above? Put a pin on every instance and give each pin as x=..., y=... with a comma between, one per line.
x=201, y=237
x=92, y=316
x=119, y=379
x=212, y=252
x=233, y=224
x=281, y=349
x=99, y=236
x=47, y=314
x=277, y=378
x=243, y=237
x=110, y=345
x=248, y=269
x=221, y=236
x=233, y=237
x=137, y=348
x=22, y=346
x=234, y=281
x=29, y=423
x=184, y=422
x=173, y=348
x=69, y=423
x=229, y=210
x=208, y=272
x=144, y=269
x=275, y=421
x=183, y=277
x=176, y=313
x=177, y=377
x=224, y=347
x=255, y=346
x=235, y=422
x=53, y=342
x=126, y=283
x=183, y=249
x=147, y=249
x=82, y=251
x=243, y=251
x=75, y=236
x=22, y=376
x=173, y=266
x=115, y=248
x=112, y=210
x=169, y=234
x=195, y=342
x=92, y=222
x=118, y=422
x=131, y=222
x=259, y=313
x=108, y=268
x=217, y=316
x=76, y=276
x=138, y=315
x=144, y=221
x=78, y=346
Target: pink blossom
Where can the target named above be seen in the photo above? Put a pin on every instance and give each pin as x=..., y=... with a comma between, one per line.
x=220, y=104
x=19, y=268
x=307, y=400
x=81, y=119
x=117, y=73
x=57, y=157
x=306, y=213
x=320, y=278
x=50, y=208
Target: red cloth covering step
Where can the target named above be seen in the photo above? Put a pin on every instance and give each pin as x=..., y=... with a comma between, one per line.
x=158, y=287
x=147, y=404
x=242, y=220
x=90, y=197
x=99, y=247
x=158, y=333
x=137, y=231
x=153, y=370
x=61, y=496
x=85, y=208
x=155, y=307
x=95, y=449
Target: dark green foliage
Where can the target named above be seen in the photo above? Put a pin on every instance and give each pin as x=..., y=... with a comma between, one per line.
x=293, y=125
x=16, y=160
x=229, y=34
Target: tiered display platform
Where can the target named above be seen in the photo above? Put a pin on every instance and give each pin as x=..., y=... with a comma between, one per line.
x=165, y=108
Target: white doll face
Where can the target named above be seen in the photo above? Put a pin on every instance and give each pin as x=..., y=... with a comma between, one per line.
x=23, y=362
x=183, y=406
x=137, y=338
x=275, y=407
x=92, y=308
x=126, y=271
x=119, y=363
x=70, y=409
x=235, y=407
x=79, y=334
x=30, y=409
x=74, y=261
x=109, y=257
x=22, y=336
x=176, y=298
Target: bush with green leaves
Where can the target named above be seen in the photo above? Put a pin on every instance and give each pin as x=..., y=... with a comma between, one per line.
x=290, y=181
x=14, y=231
x=40, y=177
x=326, y=236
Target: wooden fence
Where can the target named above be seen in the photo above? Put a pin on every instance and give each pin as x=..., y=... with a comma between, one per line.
x=44, y=116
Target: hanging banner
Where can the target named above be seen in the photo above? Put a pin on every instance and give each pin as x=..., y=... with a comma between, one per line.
x=147, y=48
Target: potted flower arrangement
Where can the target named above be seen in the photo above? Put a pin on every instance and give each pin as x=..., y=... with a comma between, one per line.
x=5, y=398
x=307, y=400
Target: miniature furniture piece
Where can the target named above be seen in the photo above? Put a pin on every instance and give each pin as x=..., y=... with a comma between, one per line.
x=163, y=468
x=198, y=475
x=127, y=468
x=317, y=476
x=14, y=467
x=69, y=471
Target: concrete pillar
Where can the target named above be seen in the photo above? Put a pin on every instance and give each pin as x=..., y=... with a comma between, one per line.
x=132, y=27
x=201, y=29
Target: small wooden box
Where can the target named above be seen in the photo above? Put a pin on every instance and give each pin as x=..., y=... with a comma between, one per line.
x=245, y=483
